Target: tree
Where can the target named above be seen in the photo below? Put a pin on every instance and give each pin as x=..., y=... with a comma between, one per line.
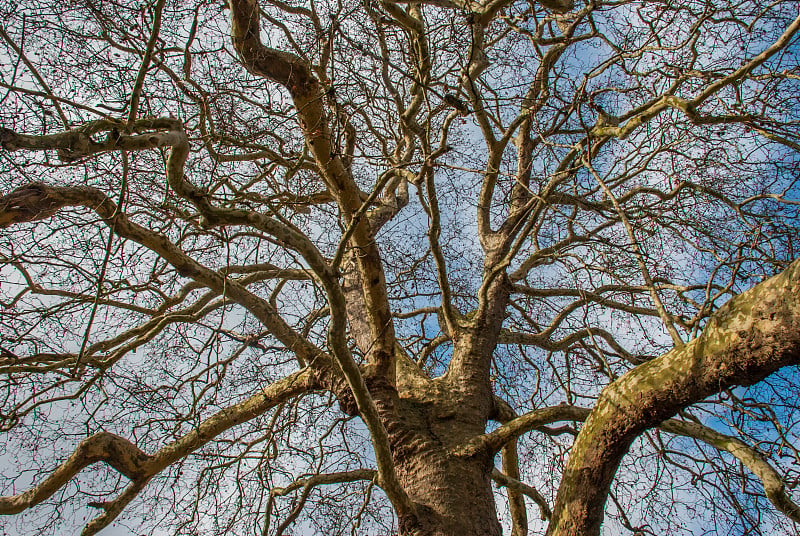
x=319, y=263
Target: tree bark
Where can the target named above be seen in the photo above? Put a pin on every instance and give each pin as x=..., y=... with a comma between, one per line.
x=452, y=494
x=753, y=335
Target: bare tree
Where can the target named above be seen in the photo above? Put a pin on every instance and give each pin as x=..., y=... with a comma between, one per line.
x=324, y=263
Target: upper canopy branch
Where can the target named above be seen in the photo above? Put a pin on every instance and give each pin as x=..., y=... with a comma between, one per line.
x=38, y=201
x=637, y=117
x=294, y=74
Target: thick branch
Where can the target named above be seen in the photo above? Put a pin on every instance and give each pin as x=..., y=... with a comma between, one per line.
x=291, y=72
x=97, y=137
x=294, y=74
x=753, y=335
x=774, y=487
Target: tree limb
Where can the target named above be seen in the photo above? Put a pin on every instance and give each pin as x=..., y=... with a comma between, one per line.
x=139, y=467
x=774, y=487
x=114, y=450
x=753, y=335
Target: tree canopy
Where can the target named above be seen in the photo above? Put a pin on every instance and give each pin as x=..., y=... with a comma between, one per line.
x=425, y=267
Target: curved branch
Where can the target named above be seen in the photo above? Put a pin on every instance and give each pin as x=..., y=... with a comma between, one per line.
x=276, y=393
x=753, y=335
x=38, y=201
x=83, y=141
x=494, y=441
x=774, y=488
x=642, y=115
x=308, y=484
x=294, y=74
x=106, y=447
x=139, y=467
x=514, y=484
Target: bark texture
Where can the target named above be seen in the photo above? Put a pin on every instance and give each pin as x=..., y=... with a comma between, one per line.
x=452, y=494
x=753, y=335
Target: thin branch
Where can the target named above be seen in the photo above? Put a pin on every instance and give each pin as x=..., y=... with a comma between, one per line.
x=36, y=75
x=666, y=318
x=514, y=484
x=145, y=65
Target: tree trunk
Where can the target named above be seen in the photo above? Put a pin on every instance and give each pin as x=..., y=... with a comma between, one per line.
x=453, y=496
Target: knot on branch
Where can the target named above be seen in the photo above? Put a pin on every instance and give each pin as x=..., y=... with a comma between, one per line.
x=460, y=106
x=116, y=451
x=7, y=139
x=27, y=203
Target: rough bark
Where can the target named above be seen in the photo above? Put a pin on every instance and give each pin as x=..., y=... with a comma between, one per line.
x=753, y=335
x=452, y=494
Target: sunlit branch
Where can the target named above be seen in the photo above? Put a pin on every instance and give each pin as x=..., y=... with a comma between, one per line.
x=753, y=335
x=139, y=467
x=83, y=141
x=268, y=150
x=635, y=118
x=117, y=452
x=494, y=441
x=292, y=72
x=296, y=76
x=774, y=487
